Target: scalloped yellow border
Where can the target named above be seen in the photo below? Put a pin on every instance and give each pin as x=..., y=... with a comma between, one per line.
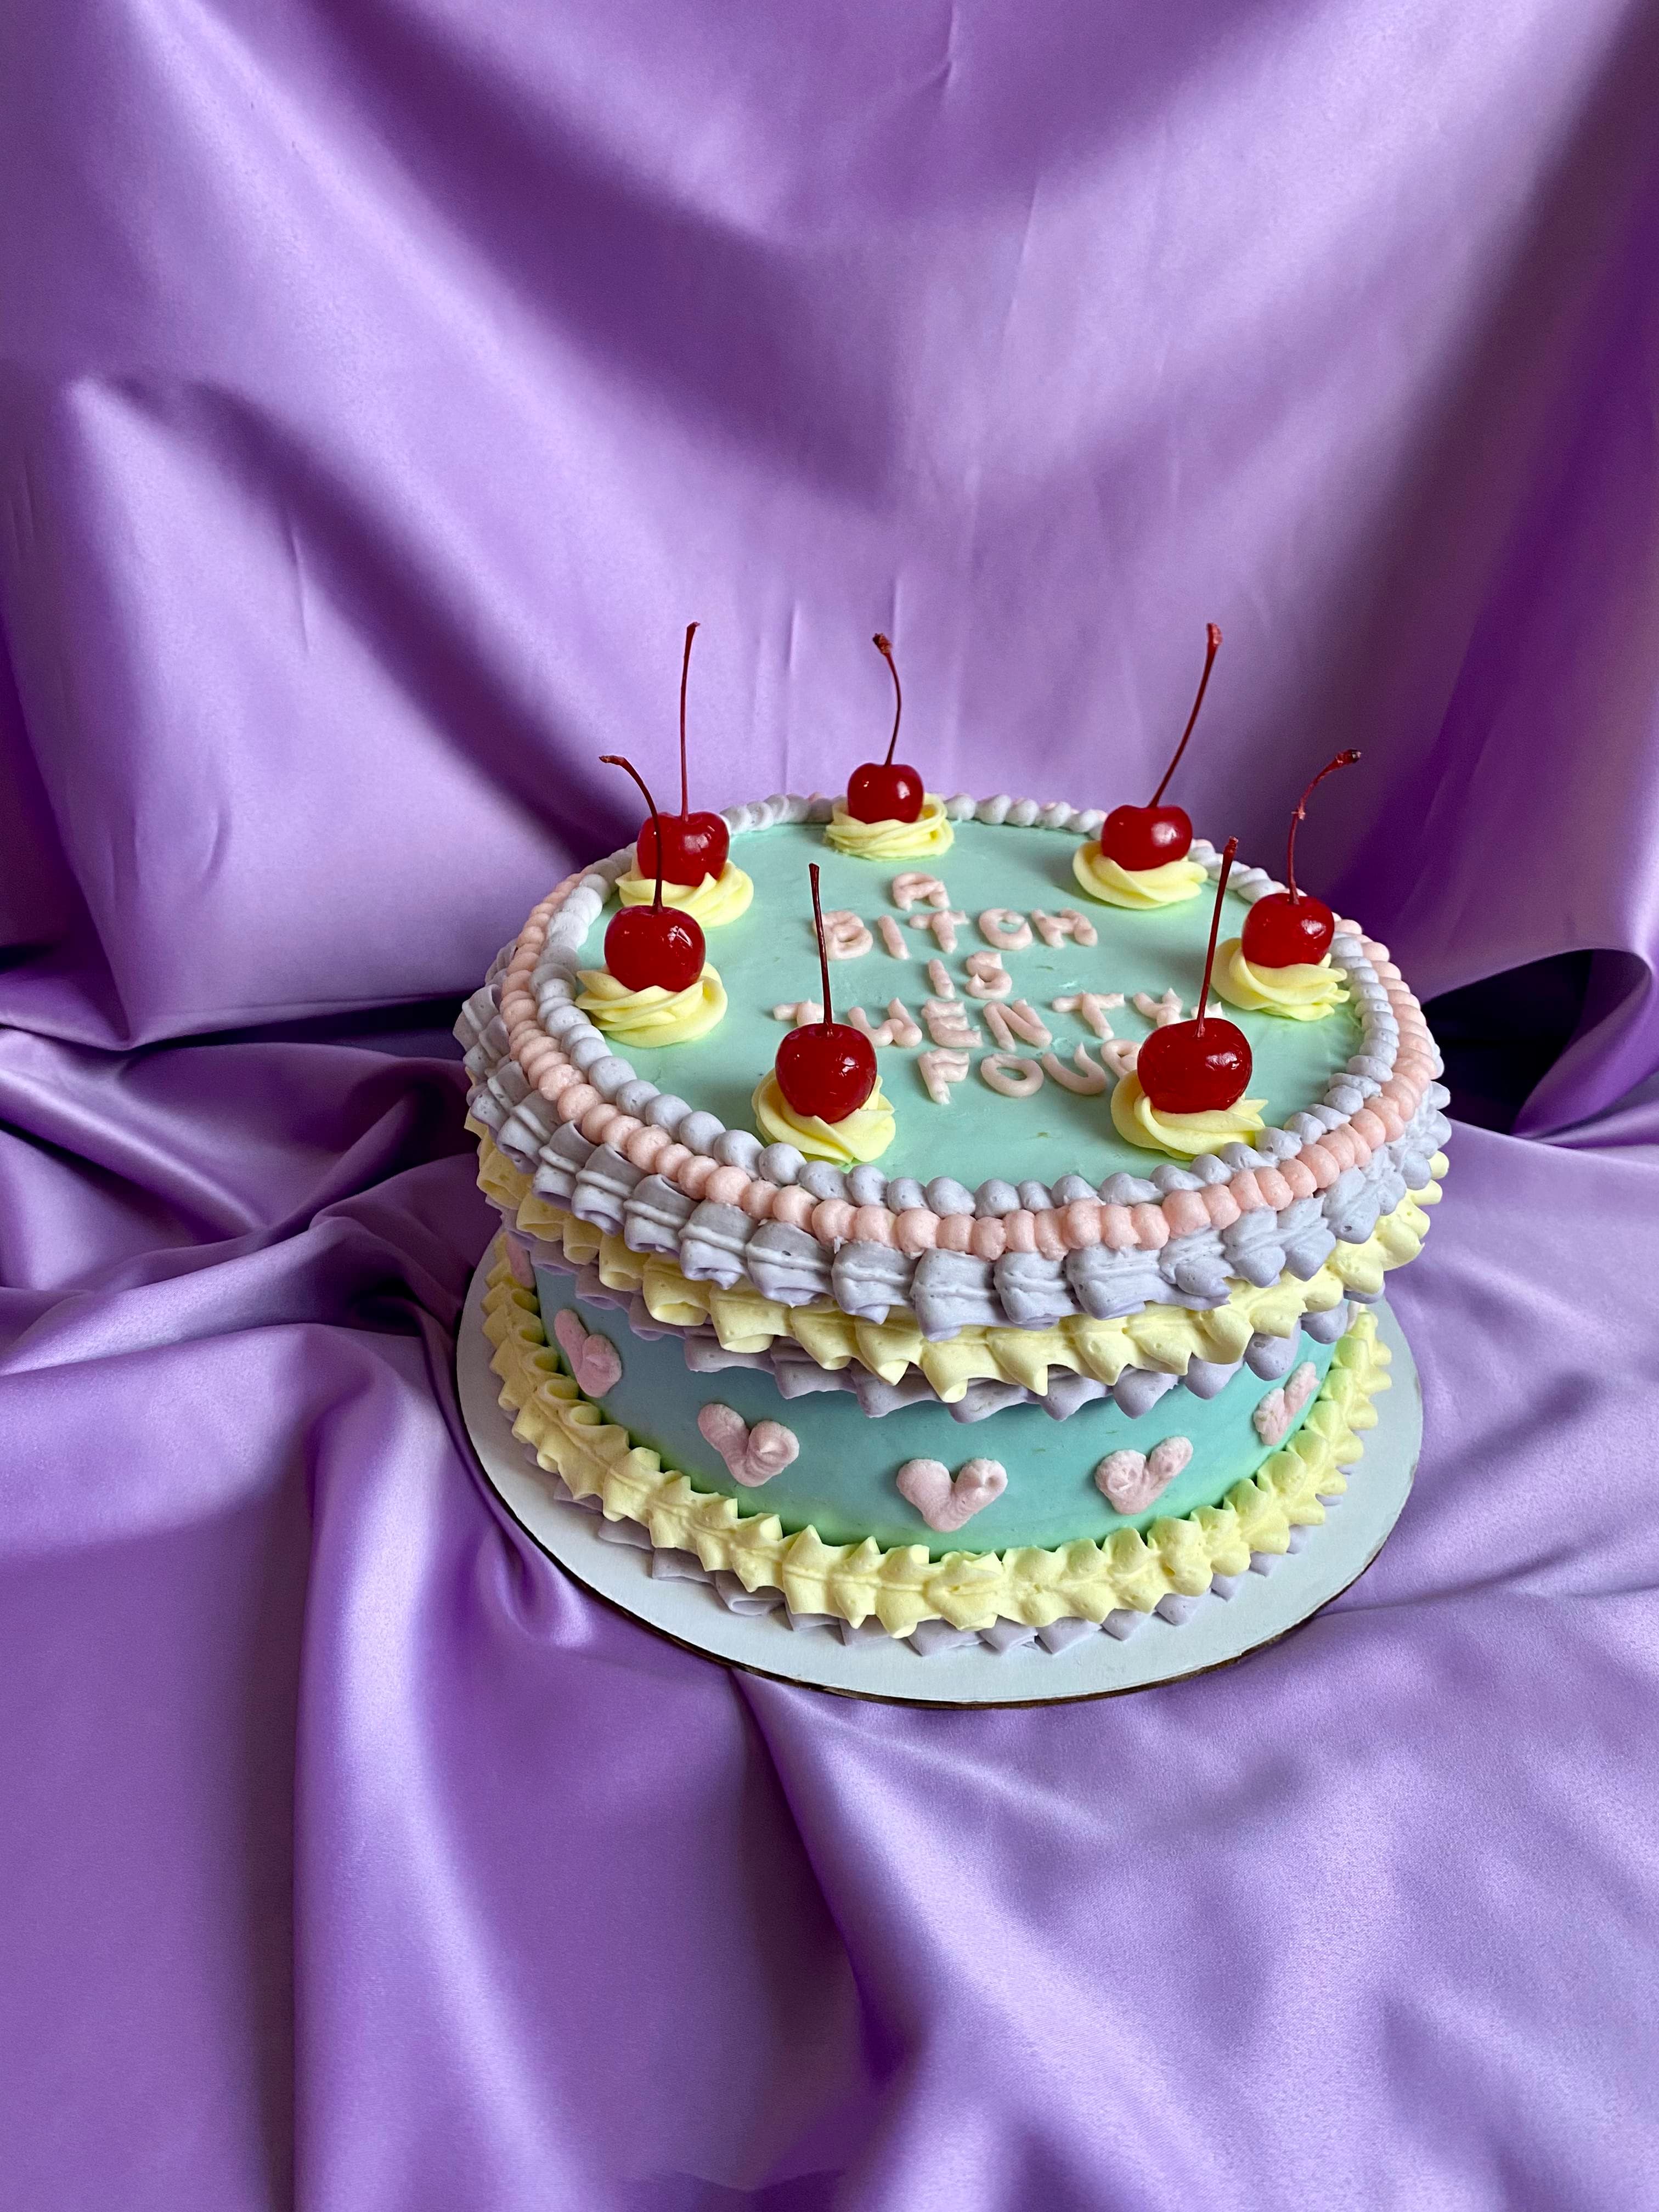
x=1167, y=1337
x=571, y=1437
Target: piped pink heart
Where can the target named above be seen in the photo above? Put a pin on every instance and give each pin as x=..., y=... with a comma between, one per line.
x=1275, y=1413
x=1132, y=1481
x=752, y=1455
x=594, y=1360
x=944, y=1505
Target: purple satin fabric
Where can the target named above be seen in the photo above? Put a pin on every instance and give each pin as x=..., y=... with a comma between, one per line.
x=383, y=385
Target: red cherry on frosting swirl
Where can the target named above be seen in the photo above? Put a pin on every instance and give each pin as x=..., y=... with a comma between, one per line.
x=655, y=943
x=1149, y=837
x=1283, y=931
x=827, y=1067
x=887, y=790
x=1288, y=929
x=1195, y=1067
x=1146, y=836
x=647, y=944
x=876, y=792
x=1202, y=1065
x=693, y=846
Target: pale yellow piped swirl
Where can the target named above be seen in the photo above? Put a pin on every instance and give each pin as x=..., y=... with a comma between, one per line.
x=1306, y=992
x=1138, y=1121
x=931, y=832
x=864, y=1135
x=1103, y=879
x=713, y=901
x=652, y=1016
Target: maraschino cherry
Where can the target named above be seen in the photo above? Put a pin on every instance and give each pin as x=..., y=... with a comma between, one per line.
x=1149, y=837
x=1201, y=1066
x=886, y=791
x=827, y=1067
x=655, y=943
x=1288, y=929
x=694, y=846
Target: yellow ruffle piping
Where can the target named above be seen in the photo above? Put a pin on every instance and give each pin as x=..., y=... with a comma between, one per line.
x=713, y=901
x=1167, y=1337
x=864, y=1135
x=1138, y=1121
x=1103, y=878
x=903, y=1587
x=931, y=832
x=652, y=1016
x=1305, y=992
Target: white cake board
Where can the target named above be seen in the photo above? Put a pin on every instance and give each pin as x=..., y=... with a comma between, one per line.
x=1262, y=1609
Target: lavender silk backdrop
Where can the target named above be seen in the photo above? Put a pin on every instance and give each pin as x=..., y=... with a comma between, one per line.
x=385, y=384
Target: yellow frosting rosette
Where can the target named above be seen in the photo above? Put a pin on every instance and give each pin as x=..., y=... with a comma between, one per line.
x=1104, y=879
x=930, y=833
x=713, y=901
x=1138, y=1121
x=1306, y=991
x=864, y=1135
x=652, y=1016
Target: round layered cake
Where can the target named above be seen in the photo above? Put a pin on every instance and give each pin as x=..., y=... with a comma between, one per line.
x=1015, y=1340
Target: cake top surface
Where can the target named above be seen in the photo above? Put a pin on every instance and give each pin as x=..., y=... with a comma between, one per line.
x=1014, y=1207
x=767, y=958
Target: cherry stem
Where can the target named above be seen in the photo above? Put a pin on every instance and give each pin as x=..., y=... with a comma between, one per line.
x=824, y=955
x=685, y=671
x=1228, y=851
x=1214, y=647
x=616, y=760
x=884, y=647
x=1342, y=760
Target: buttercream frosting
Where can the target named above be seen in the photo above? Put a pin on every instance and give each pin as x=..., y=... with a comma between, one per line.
x=713, y=901
x=1372, y=1135
x=1010, y=1074
x=845, y=936
x=1091, y=1007
x=752, y=1455
x=930, y=833
x=966, y=1318
x=946, y=1501
x=594, y=1362
x=862, y=1135
x=905, y=1585
x=1132, y=1481
x=897, y=1028
x=1088, y=1294
x=942, y=925
x=654, y=1016
x=929, y=1637
x=1305, y=992
x=939, y=1070
x=843, y=1484
x=1139, y=1121
x=1277, y=1412
x=1103, y=878
x=1001, y=926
